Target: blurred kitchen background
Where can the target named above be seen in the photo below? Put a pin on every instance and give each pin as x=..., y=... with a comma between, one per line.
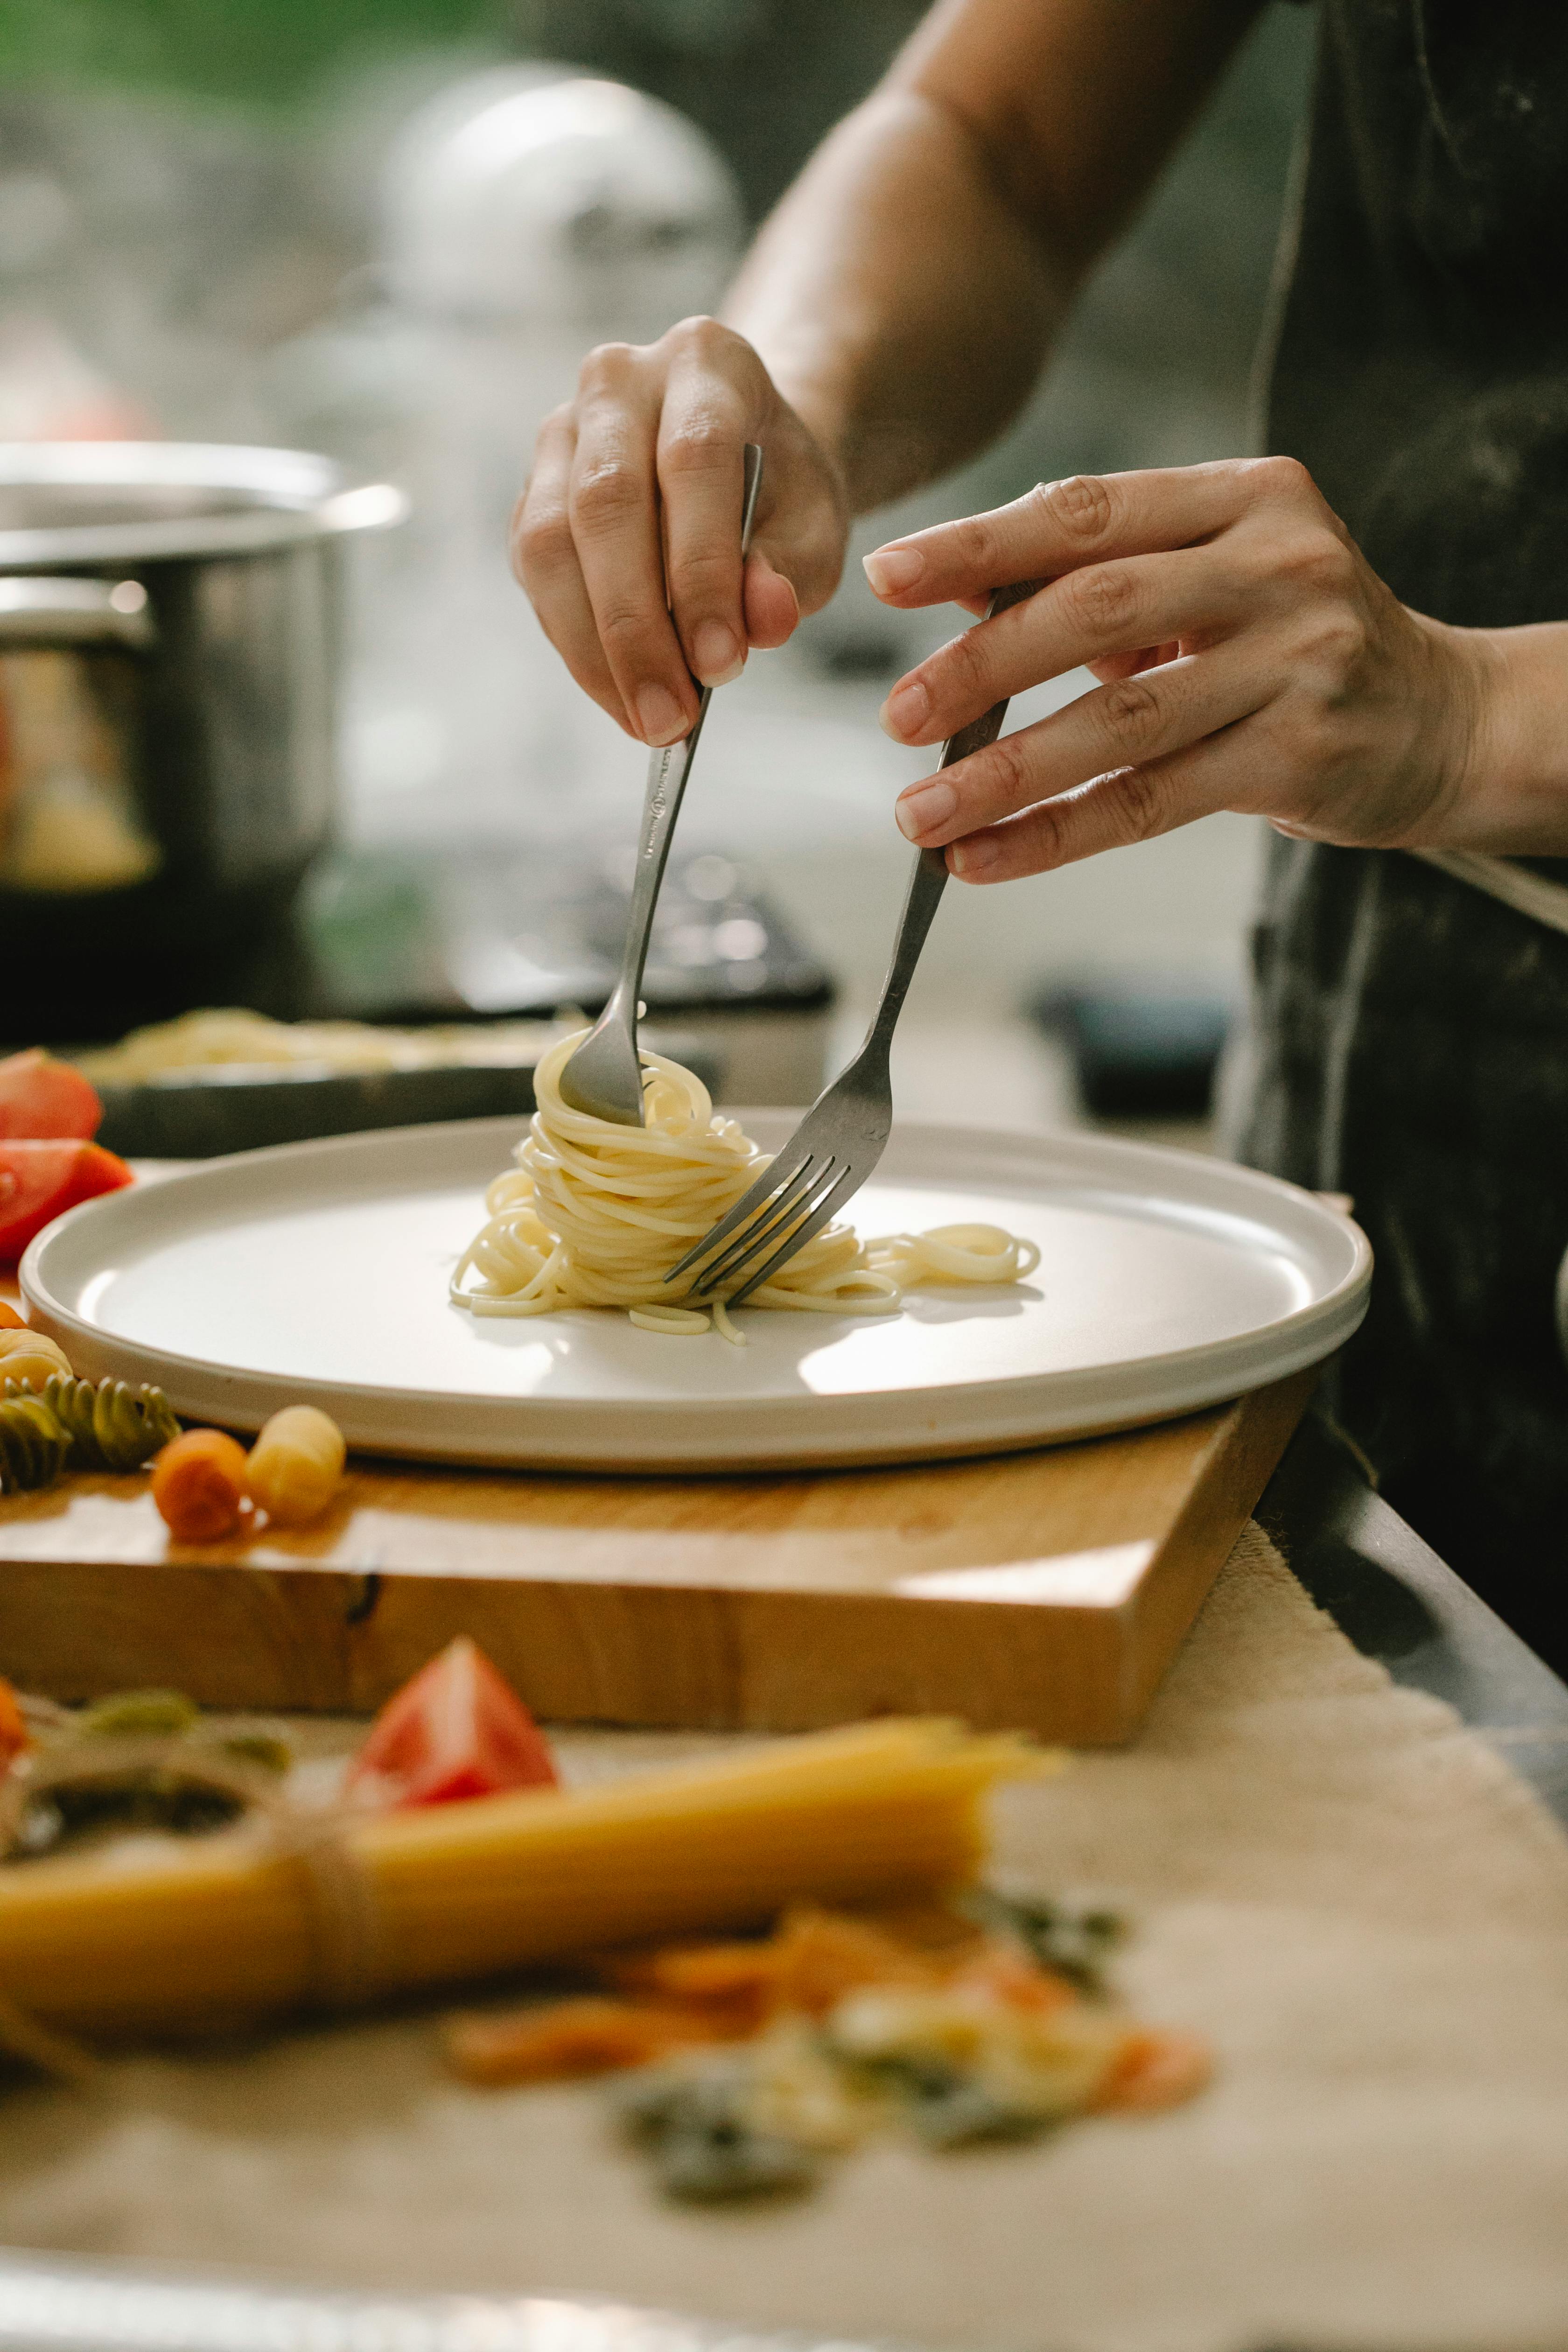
x=384, y=230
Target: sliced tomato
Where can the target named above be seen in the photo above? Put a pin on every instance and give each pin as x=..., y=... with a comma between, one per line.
x=42, y=1097
x=456, y=1730
x=39, y=1181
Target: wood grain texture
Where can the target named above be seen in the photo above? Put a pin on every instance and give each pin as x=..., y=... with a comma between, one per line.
x=1045, y=1590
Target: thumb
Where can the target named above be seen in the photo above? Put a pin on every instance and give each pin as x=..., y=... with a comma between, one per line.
x=773, y=608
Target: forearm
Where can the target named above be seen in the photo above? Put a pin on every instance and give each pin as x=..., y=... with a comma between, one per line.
x=899, y=303
x=905, y=292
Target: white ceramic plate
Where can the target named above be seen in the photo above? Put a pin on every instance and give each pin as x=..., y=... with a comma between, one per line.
x=318, y=1271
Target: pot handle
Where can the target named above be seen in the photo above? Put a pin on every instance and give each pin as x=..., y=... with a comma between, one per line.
x=39, y=611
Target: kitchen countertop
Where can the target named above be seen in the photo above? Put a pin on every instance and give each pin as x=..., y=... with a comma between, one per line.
x=1392, y=1595
x=1337, y=1884
x=1399, y=1604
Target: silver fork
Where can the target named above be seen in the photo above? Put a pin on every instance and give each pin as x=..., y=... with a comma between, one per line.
x=845, y=1132
x=604, y=1076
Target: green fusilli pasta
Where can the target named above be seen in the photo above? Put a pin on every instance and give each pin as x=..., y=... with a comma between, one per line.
x=33, y=1445
x=112, y=1426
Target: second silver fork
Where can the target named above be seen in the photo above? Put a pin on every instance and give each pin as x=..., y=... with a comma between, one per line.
x=845, y=1132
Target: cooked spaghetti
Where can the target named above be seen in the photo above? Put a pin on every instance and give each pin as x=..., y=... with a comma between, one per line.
x=595, y=1215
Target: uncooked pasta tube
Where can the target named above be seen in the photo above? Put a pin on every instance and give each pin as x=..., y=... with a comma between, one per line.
x=246, y=1924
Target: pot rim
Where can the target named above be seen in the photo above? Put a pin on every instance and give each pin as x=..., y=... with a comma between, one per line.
x=274, y=499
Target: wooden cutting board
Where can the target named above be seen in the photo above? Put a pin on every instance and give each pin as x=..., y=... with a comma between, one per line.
x=1047, y=1591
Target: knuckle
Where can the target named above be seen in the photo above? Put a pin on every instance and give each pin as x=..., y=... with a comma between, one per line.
x=705, y=583
x=973, y=548
x=1339, y=637
x=1281, y=478
x=698, y=445
x=606, y=367
x=624, y=633
x=1329, y=661
x=1082, y=506
x=1049, y=825
x=1101, y=600
x=699, y=334
x=1008, y=785
x=964, y=668
x=541, y=541
x=605, y=496
x=1139, y=803
x=1318, y=561
x=1132, y=712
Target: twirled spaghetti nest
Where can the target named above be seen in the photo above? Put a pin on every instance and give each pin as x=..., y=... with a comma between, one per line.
x=594, y=1214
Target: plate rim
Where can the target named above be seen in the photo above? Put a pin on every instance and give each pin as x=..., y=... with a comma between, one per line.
x=1020, y=1410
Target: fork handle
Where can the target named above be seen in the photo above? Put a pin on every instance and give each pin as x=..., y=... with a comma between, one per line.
x=668, y=772
x=929, y=880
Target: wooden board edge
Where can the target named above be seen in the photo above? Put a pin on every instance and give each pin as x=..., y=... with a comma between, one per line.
x=1053, y=1673
x=339, y=1644
x=1237, y=1465
x=245, y=1637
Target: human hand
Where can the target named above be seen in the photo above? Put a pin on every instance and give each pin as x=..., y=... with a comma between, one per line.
x=627, y=538
x=1249, y=658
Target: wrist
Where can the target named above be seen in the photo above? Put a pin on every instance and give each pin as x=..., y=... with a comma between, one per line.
x=1508, y=703
x=819, y=419
x=868, y=460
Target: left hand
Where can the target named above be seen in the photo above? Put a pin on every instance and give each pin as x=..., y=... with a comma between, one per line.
x=1249, y=658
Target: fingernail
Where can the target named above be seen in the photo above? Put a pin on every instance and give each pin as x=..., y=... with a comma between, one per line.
x=715, y=655
x=890, y=569
x=659, y=714
x=924, y=807
x=974, y=857
x=904, y=711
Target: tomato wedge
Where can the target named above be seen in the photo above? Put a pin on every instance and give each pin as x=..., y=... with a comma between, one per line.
x=41, y=1097
x=457, y=1730
x=14, y=1733
x=39, y=1181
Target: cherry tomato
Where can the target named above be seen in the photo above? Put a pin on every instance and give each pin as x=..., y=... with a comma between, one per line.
x=41, y=1097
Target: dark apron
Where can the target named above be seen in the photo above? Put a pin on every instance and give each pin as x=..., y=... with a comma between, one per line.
x=1410, y=1033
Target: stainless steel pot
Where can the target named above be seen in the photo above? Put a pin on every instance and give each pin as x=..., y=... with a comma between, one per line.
x=169, y=651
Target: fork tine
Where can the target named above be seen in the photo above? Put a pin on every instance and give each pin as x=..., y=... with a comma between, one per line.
x=769, y=1223
x=773, y=1180
x=759, y=1240
x=821, y=1213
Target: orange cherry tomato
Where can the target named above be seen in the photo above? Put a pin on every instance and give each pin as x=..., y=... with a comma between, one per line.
x=198, y=1485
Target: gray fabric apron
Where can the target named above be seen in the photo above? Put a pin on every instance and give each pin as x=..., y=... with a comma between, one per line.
x=1411, y=1034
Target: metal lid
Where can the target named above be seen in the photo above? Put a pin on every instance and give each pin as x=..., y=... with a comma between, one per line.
x=64, y=504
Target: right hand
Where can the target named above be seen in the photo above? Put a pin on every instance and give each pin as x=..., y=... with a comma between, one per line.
x=627, y=538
